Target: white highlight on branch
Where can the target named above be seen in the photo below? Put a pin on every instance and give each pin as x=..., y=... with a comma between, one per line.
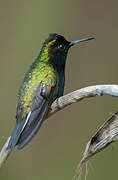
x=66, y=100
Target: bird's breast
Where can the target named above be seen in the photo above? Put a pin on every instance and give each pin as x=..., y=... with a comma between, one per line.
x=61, y=83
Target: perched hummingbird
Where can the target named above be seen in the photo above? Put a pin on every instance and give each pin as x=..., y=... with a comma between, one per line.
x=42, y=84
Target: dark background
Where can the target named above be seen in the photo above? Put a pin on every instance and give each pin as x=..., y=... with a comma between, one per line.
x=56, y=150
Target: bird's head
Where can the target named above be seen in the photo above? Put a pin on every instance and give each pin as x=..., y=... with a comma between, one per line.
x=55, y=48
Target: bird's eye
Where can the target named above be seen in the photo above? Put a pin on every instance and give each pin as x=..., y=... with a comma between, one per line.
x=60, y=46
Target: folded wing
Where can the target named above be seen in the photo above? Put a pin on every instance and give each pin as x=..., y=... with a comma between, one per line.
x=28, y=127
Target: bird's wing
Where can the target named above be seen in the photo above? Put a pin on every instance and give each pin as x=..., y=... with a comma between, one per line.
x=28, y=127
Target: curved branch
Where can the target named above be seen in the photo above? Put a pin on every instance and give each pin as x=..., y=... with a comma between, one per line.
x=66, y=100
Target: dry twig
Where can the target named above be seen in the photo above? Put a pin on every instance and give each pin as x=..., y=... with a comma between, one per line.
x=106, y=134
x=66, y=100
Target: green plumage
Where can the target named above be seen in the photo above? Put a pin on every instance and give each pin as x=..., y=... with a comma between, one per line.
x=40, y=72
x=43, y=83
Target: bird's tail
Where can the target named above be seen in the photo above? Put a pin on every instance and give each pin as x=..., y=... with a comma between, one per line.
x=32, y=128
x=26, y=129
x=16, y=134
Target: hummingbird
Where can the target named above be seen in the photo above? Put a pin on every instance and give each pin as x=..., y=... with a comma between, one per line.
x=43, y=83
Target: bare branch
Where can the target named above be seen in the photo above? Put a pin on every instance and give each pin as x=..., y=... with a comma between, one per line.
x=4, y=153
x=66, y=100
x=78, y=95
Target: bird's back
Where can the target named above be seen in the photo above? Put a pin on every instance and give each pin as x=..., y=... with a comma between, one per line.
x=37, y=73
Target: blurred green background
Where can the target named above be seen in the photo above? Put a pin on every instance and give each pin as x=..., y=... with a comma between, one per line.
x=56, y=150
